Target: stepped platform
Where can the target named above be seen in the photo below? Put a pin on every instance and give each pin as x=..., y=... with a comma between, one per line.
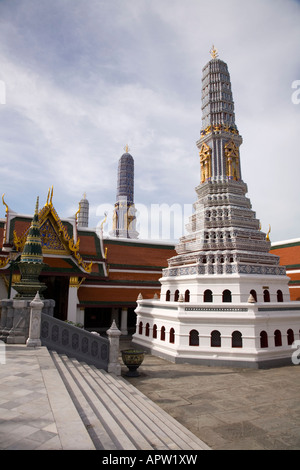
x=51, y=402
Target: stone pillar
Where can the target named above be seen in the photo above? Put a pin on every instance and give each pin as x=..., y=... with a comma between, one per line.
x=114, y=366
x=34, y=339
x=19, y=331
x=73, y=299
x=6, y=320
x=124, y=314
x=15, y=319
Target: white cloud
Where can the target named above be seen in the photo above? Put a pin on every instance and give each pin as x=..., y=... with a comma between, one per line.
x=85, y=79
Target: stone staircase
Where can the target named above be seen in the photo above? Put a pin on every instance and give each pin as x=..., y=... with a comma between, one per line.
x=116, y=415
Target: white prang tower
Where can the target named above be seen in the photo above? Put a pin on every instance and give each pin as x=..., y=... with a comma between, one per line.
x=224, y=298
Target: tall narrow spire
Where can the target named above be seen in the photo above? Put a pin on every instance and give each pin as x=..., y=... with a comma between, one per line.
x=32, y=251
x=219, y=137
x=223, y=231
x=124, y=218
x=31, y=263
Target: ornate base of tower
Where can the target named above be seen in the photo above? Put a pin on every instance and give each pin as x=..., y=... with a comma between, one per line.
x=241, y=334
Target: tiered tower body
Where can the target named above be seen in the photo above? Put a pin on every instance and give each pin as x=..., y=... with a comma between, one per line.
x=224, y=236
x=124, y=217
x=31, y=263
x=220, y=294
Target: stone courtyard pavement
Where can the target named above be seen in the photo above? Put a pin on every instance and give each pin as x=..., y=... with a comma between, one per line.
x=228, y=408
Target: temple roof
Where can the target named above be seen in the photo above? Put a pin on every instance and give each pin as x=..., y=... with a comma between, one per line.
x=57, y=239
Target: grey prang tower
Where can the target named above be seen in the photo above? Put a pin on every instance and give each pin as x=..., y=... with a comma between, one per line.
x=124, y=217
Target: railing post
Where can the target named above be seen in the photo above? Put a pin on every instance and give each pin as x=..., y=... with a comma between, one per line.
x=34, y=339
x=114, y=366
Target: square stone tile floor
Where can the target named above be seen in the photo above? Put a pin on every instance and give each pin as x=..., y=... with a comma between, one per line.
x=227, y=408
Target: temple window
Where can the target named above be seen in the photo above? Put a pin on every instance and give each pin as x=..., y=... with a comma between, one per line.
x=154, y=333
x=236, y=339
x=168, y=296
x=254, y=295
x=163, y=333
x=208, y=296
x=266, y=295
x=290, y=336
x=140, y=328
x=215, y=339
x=226, y=296
x=147, y=330
x=279, y=296
x=172, y=336
x=277, y=338
x=194, y=338
x=187, y=296
x=263, y=339
x=176, y=295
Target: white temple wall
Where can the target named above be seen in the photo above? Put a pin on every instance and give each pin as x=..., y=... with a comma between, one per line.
x=248, y=319
x=240, y=287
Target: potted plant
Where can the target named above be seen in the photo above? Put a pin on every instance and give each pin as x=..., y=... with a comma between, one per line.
x=132, y=358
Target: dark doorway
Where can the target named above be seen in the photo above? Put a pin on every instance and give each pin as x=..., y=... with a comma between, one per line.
x=131, y=319
x=58, y=290
x=97, y=319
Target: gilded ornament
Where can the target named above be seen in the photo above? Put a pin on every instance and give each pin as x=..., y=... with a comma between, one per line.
x=77, y=213
x=54, y=235
x=214, y=52
x=4, y=262
x=74, y=281
x=4, y=203
x=205, y=162
x=232, y=160
x=103, y=221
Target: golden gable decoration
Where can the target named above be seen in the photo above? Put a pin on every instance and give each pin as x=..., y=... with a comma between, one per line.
x=54, y=235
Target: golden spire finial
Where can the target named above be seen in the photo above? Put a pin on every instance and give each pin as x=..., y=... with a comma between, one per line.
x=214, y=52
x=49, y=197
x=4, y=203
x=126, y=148
x=77, y=213
x=103, y=221
x=268, y=234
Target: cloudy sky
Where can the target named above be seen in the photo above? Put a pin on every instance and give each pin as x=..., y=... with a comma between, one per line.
x=80, y=79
